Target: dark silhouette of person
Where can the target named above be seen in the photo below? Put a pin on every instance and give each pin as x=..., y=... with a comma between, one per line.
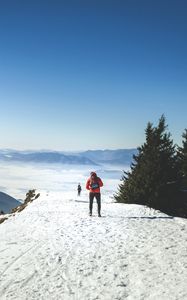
x=79, y=189
x=93, y=184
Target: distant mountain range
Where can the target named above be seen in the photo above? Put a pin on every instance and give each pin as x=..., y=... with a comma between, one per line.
x=114, y=157
x=44, y=157
x=90, y=157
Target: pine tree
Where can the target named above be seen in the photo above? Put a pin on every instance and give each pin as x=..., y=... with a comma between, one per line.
x=182, y=156
x=153, y=168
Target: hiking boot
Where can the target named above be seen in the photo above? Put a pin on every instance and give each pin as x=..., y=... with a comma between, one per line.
x=99, y=215
x=90, y=214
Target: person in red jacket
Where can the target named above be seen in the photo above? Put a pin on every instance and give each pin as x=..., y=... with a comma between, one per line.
x=94, y=184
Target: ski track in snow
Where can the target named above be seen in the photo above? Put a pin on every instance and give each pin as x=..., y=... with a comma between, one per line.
x=54, y=250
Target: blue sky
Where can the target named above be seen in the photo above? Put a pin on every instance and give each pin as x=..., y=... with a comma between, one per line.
x=90, y=74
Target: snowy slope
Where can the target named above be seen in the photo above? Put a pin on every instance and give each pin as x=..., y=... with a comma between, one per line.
x=7, y=203
x=54, y=250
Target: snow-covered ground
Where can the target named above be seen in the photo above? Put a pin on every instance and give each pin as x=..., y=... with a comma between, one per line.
x=54, y=250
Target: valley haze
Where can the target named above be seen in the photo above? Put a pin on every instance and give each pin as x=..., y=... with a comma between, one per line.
x=60, y=171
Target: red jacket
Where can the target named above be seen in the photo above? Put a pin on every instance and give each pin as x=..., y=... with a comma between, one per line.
x=97, y=181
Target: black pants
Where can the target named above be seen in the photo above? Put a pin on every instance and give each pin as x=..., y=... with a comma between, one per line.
x=98, y=198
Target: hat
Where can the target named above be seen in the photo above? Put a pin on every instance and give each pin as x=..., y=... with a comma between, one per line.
x=93, y=174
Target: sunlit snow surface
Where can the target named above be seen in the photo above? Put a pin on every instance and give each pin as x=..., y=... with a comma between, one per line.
x=54, y=250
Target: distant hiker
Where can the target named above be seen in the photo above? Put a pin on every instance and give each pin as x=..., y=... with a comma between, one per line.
x=93, y=185
x=79, y=189
x=2, y=212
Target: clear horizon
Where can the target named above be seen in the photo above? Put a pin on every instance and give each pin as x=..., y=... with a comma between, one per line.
x=78, y=75
x=61, y=150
